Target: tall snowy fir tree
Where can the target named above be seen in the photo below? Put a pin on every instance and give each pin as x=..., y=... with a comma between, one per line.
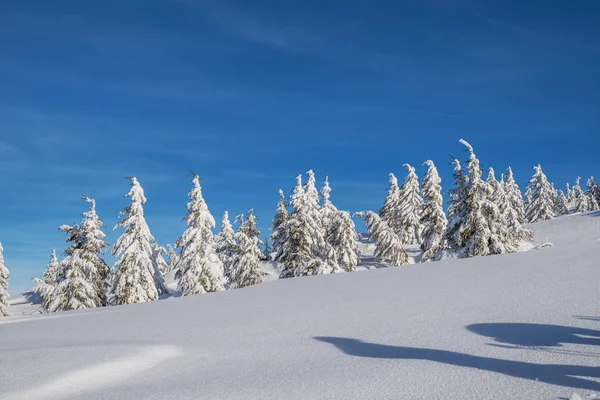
x=340, y=235
x=320, y=248
x=76, y=290
x=388, y=247
x=514, y=196
x=52, y=276
x=328, y=220
x=410, y=205
x=586, y=203
x=593, y=190
x=245, y=265
x=158, y=259
x=576, y=191
x=200, y=268
x=457, y=210
x=569, y=193
x=433, y=218
x=480, y=233
x=279, y=237
x=4, y=275
x=561, y=206
x=541, y=206
x=511, y=231
x=135, y=278
x=304, y=234
x=93, y=246
x=389, y=212
x=172, y=258
x=225, y=244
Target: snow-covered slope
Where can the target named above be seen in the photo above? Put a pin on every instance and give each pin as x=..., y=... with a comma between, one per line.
x=517, y=326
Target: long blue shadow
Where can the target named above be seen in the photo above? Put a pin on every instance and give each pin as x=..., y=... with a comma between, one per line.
x=536, y=334
x=555, y=374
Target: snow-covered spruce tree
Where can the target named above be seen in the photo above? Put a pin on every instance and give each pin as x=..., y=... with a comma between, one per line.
x=344, y=239
x=576, y=191
x=561, y=206
x=321, y=247
x=136, y=280
x=388, y=247
x=514, y=214
x=328, y=220
x=480, y=233
x=389, y=212
x=158, y=258
x=52, y=276
x=514, y=196
x=93, y=246
x=76, y=290
x=457, y=210
x=245, y=264
x=592, y=189
x=305, y=237
x=569, y=193
x=4, y=275
x=200, y=269
x=510, y=239
x=225, y=244
x=433, y=219
x=172, y=258
x=340, y=235
x=279, y=237
x=410, y=205
x=541, y=206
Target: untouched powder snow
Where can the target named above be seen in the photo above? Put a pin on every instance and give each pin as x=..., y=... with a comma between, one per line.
x=515, y=326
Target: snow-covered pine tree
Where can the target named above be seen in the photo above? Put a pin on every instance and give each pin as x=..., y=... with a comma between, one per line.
x=328, y=218
x=4, y=275
x=344, y=239
x=514, y=196
x=279, y=237
x=52, y=276
x=541, y=206
x=340, y=234
x=481, y=232
x=593, y=190
x=561, y=207
x=245, y=265
x=457, y=210
x=172, y=258
x=583, y=204
x=388, y=247
x=410, y=205
x=304, y=241
x=135, y=278
x=158, y=258
x=389, y=212
x=320, y=247
x=576, y=191
x=93, y=246
x=77, y=290
x=433, y=219
x=225, y=244
x=511, y=231
x=200, y=269
x=569, y=193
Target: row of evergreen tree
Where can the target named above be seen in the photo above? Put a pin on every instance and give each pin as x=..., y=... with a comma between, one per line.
x=310, y=236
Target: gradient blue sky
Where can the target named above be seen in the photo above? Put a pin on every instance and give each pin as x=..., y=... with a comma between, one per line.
x=250, y=93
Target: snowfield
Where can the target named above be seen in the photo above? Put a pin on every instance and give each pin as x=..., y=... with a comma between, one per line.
x=515, y=326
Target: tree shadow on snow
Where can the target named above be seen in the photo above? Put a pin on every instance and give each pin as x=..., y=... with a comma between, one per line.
x=587, y=318
x=555, y=374
x=536, y=334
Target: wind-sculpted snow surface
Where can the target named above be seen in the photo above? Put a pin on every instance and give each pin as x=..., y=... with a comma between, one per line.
x=513, y=326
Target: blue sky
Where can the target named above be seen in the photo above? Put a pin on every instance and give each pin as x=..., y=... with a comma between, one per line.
x=250, y=93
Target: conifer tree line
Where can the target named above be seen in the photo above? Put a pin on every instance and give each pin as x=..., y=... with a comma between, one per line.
x=309, y=235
